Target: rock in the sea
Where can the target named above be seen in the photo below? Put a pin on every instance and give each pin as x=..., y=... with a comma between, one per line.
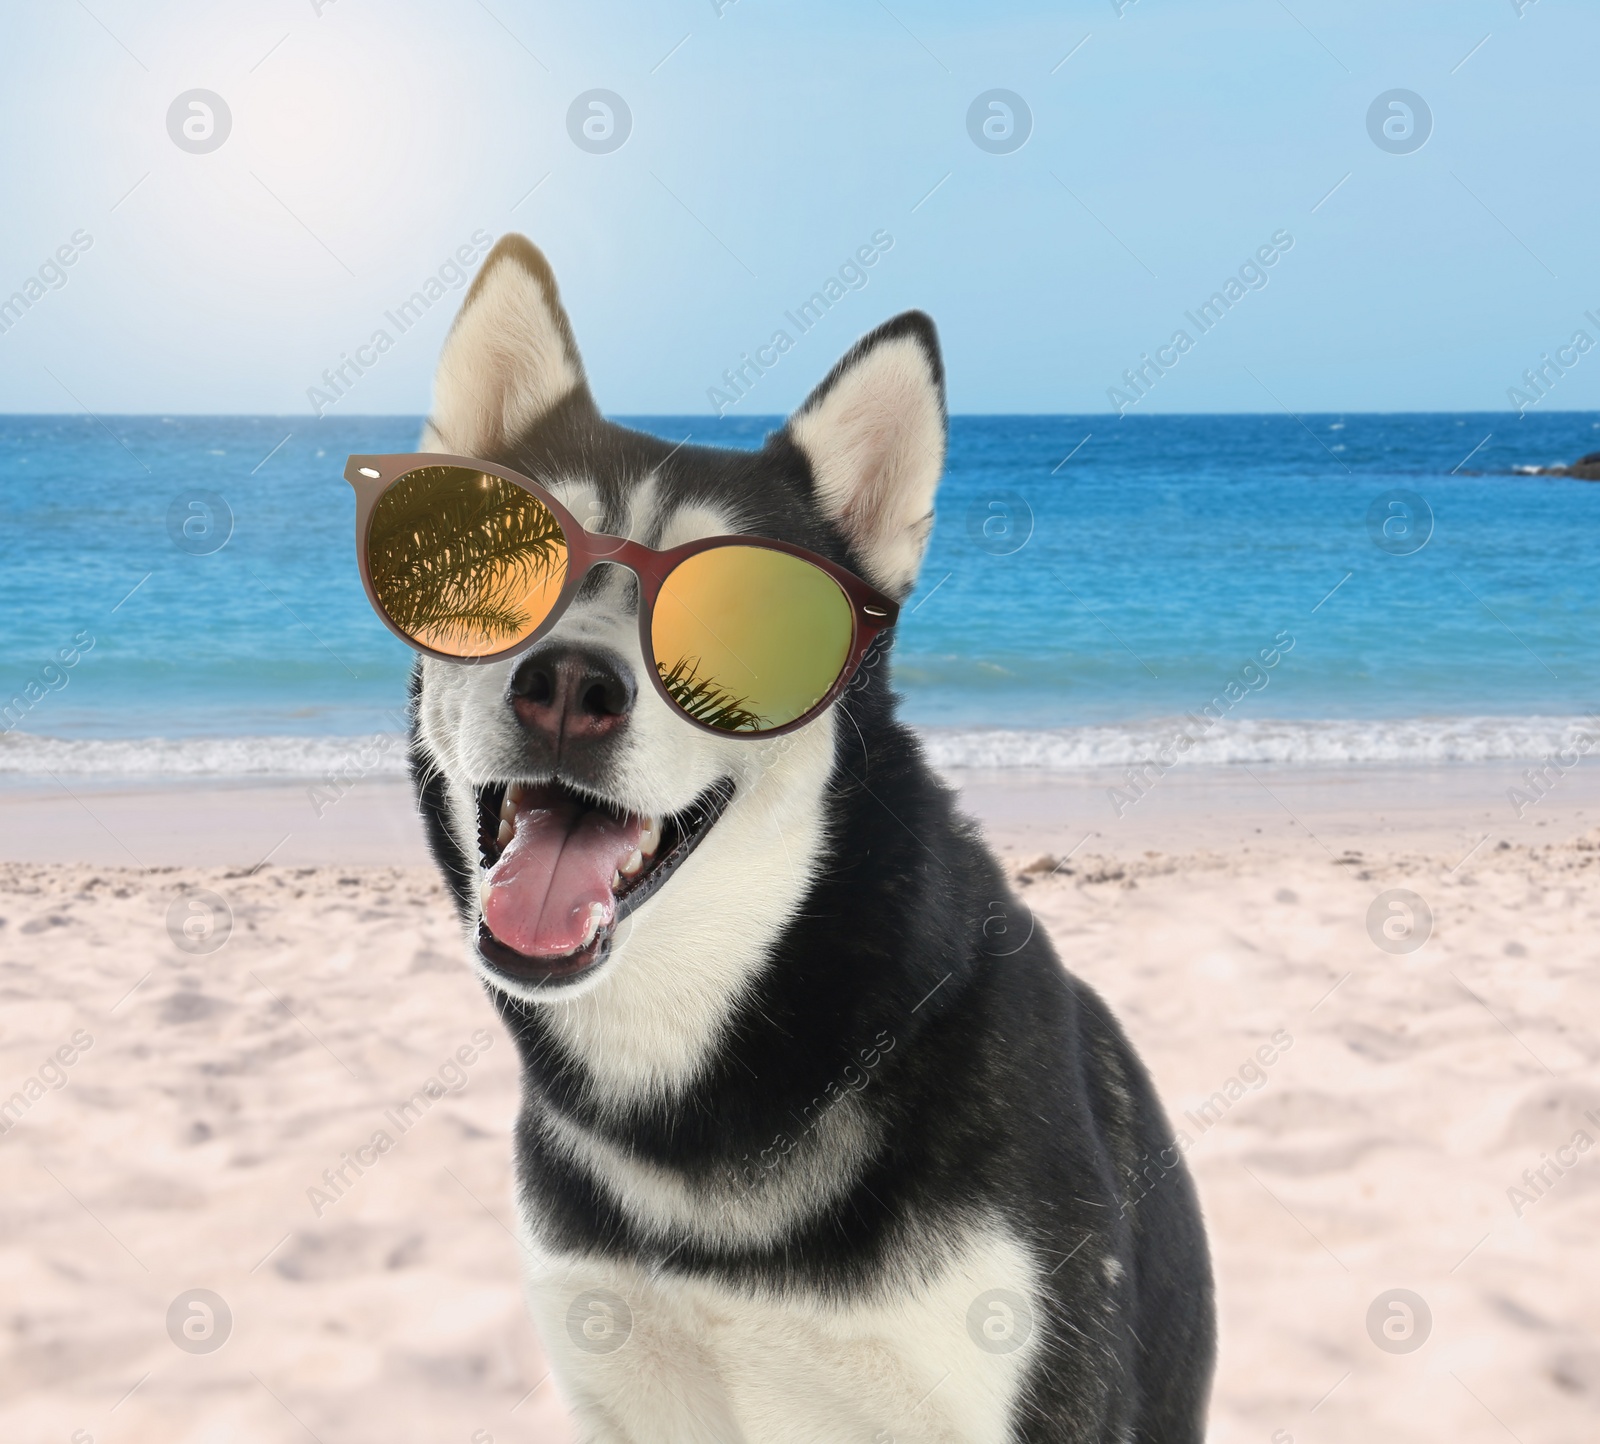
x=1585, y=468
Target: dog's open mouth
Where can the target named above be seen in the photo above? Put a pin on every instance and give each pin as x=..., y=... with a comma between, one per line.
x=561, y=870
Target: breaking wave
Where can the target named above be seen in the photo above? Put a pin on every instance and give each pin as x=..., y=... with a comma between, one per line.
x=1412, y=739
x=374, y=755
x=1064, y=749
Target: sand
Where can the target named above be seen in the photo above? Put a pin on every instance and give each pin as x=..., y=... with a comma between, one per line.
x=1407, y=1093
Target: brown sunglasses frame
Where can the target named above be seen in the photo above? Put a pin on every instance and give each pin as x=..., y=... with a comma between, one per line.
x=871, y=612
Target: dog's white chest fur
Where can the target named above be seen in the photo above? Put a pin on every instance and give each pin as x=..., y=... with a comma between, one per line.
x=657, y=1358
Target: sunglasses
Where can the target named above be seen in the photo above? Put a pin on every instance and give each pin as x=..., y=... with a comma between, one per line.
x=472, y=562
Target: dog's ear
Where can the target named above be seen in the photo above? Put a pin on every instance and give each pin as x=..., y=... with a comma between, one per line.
x=874, y=434
x=509, y=357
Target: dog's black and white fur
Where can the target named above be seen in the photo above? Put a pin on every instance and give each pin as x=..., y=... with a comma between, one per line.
x=826, y=1146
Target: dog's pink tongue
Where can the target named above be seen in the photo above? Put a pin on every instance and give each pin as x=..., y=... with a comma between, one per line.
x=553, y=876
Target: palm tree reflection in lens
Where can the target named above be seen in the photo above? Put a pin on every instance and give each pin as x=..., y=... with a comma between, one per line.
x=704, y=700
x=463, y=562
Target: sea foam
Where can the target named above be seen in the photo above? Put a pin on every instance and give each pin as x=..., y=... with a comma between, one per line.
x=1409, y=739
x=1064, y=749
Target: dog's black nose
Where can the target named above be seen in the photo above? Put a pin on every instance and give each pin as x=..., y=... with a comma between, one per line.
x=567, y=694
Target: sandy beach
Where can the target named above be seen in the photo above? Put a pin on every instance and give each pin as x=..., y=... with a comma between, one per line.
x=1228, y=916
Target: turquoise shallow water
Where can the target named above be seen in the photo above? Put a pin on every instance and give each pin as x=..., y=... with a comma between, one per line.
x=1123, y=585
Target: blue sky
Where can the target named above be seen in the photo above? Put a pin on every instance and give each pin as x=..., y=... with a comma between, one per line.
x=769, y=140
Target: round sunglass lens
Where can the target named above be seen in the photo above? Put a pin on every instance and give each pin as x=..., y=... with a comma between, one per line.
x=748, y=639
x=462, y=562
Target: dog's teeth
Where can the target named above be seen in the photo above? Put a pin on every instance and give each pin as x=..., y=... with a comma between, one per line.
x=650, y=837
x=506, y=833
x=635, y=861
x=616, y=881
x=597, y=913
x=508, y=806
x=514, y=793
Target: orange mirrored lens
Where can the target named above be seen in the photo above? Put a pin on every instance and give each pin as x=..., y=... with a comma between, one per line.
x=464, y=563
x=748, y=639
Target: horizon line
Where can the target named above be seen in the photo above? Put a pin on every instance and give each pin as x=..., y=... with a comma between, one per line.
x=780, y=417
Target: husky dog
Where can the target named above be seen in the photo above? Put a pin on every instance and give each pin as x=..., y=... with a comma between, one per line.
x=819, y=1143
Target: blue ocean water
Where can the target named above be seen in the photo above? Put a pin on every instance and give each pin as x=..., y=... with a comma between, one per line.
x=1084, y=572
